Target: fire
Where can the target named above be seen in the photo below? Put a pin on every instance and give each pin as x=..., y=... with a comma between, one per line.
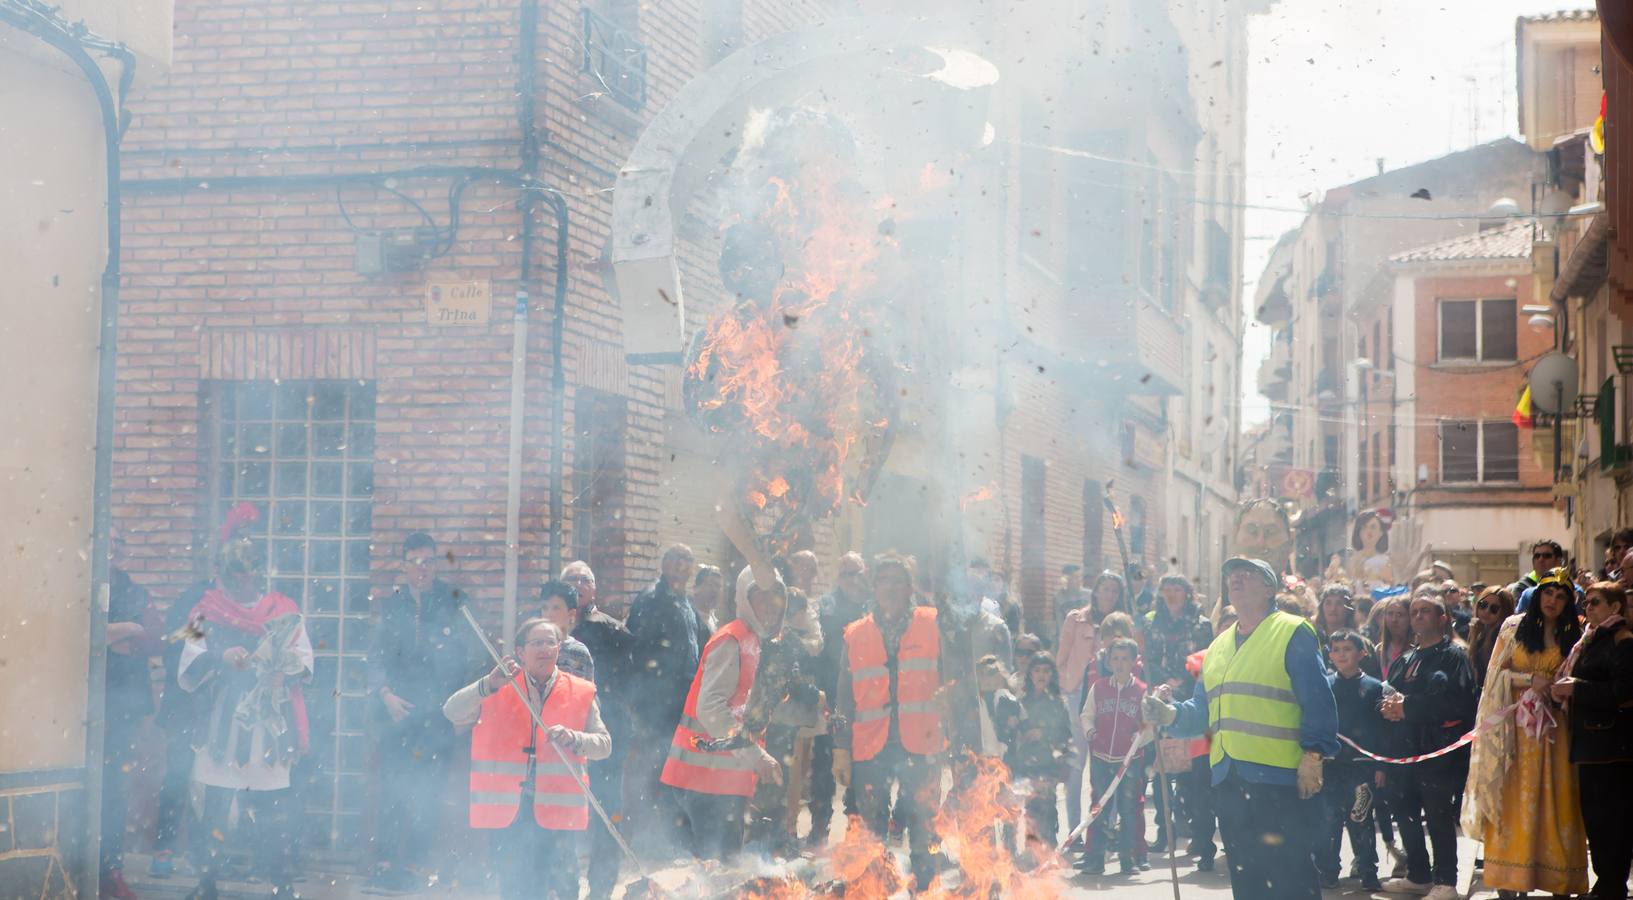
x=793, y=381
x=979, y=495
x=986, y=866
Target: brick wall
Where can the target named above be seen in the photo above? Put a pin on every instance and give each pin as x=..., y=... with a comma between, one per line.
x=309, y=88
x=1470, y=392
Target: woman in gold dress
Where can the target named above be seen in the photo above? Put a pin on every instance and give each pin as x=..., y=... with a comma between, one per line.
x=1521, y=798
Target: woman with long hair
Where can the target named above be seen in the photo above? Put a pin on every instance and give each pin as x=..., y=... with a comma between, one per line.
x=1521, y=798
x=1106, y=596
x=1495, y=605
x=1394, y=631
x=1596, y=684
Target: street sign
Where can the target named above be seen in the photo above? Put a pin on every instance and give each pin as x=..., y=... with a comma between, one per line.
x=458, y=304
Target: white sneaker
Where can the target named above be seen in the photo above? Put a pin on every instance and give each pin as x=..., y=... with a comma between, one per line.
x=1408, y=886
x=1445, y=892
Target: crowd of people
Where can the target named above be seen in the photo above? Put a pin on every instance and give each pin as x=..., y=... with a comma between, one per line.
x=706, y=713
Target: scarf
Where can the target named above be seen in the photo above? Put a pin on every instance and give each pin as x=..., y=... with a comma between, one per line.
x=215, y=606
x=1569, y=666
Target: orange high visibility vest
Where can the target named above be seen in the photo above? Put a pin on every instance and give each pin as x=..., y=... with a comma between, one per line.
x=499, y=758
x=718, y=771
x=917, y=679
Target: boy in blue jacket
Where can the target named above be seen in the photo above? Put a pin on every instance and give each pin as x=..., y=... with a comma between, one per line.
x=1351, y=777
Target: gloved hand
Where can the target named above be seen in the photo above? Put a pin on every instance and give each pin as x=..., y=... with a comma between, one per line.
x=1157, y=712
x=1309, y=774
x=842, y=768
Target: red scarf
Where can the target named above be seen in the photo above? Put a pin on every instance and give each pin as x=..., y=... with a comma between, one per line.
x=215, y=606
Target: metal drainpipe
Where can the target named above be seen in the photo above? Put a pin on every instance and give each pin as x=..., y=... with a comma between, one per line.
x=526, y=91
x=46, y=27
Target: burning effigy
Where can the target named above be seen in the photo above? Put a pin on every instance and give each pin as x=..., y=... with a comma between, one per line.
x=788, y=376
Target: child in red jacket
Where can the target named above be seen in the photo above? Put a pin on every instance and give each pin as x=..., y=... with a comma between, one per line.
x=1111, y=724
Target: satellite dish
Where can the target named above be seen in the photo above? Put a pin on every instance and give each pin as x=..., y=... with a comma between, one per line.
x=1553, y=384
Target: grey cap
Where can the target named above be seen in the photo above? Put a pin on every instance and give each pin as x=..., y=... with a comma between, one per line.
x=1257, y=566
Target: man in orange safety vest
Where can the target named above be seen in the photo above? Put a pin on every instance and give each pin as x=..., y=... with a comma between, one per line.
x=525, y=782
x=889, y=712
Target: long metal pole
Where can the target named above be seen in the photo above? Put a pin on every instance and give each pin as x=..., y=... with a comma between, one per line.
x=1167, y=816
x=572, y=767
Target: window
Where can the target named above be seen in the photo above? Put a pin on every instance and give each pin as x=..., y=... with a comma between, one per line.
x=1478, y=330
x=612, y=55
x=1094, y=525
x=303, y=453
x=1472, y=452
x=600, y=487
x=1136, y=528
x=1034, y=540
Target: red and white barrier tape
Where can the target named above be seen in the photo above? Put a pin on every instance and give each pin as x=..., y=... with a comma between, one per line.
x=1485, y=724
x=1099, y=806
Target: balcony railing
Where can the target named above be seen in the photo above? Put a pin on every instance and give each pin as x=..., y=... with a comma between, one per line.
x=613, y=57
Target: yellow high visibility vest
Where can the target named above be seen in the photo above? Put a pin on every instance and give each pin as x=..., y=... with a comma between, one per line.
x=1252, y=712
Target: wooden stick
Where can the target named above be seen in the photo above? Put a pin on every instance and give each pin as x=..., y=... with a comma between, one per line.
x=1167, y=815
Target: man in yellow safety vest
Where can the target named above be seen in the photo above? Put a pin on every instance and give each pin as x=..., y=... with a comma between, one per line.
x=1265, y=699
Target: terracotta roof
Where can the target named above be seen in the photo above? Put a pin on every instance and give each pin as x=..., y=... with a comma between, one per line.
x=1563, y=15
x=1512, y=241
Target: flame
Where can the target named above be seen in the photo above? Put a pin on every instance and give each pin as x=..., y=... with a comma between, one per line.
x=981, y=494
x=792, y=378
x=988, y=868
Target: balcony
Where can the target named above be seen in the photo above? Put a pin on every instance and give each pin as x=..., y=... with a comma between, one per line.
x=1276, y=372
x=1217, y=283
x=614, y=59
x=1141, y=344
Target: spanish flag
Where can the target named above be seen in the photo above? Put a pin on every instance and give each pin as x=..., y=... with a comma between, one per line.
x=1524, y=416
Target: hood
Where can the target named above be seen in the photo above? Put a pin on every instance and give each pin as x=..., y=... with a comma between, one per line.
x=745, y=611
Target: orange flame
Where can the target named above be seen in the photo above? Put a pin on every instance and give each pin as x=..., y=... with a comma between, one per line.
x=979, y=495
x=987, y=867
x=794, y=374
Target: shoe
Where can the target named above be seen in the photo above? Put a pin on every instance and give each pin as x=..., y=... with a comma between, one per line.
x=163, y=865
x=1143, y=865
x=1370, y=883
x=1407, y=886
x=1092, y=867
x=1329, y=881
x=113, y=885
x=1204, y=864
x=1444, y=892
x=1398, y=871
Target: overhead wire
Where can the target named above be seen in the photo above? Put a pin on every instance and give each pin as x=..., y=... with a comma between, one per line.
x=1486, y=216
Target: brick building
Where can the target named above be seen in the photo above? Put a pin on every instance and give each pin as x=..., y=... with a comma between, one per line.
x=1479, y=494
x=315, y=190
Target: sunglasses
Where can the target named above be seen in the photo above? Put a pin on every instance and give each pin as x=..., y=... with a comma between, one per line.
x=1597, y=601
x=1489, y=606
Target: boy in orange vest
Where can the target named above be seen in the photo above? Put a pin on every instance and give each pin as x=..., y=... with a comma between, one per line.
x=515, y=766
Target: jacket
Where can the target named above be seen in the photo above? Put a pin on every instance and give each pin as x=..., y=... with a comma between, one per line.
x=664, y=654
x=1601, y=707
x=1048, y=754
x=728, y=772
x=423, y=652
x=1358, y=716
x=513, y=762
x=1111, y=717
x=1438, y=682
x=836, y=611
x=1170, y=640
x=875, y=680
x=609, y=645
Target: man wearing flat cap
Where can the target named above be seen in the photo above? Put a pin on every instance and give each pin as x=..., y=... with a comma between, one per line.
x=1264, y=698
